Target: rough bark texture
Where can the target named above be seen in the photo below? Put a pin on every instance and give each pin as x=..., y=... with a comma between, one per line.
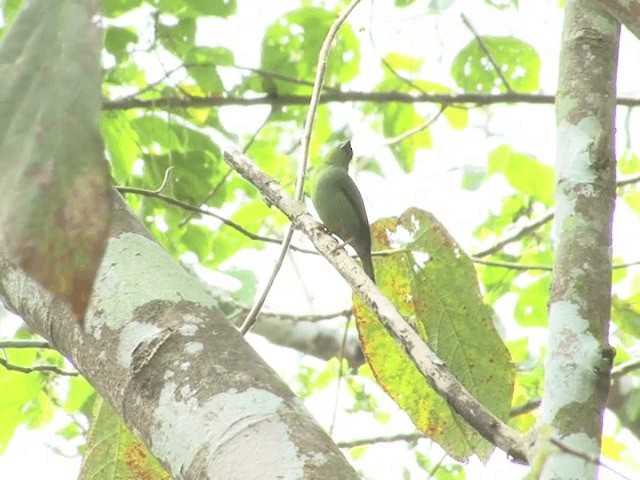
x=176, y=370
x=579, y=358
x=626, y=11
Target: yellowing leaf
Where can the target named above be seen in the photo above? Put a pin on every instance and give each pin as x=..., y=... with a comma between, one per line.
x=114, y=452
x=433, y=285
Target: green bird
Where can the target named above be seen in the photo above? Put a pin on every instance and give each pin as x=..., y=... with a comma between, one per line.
x=340, y=206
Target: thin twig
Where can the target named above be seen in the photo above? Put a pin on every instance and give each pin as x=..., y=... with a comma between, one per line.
x=486, y=52
x=511, y=265
x=526, y=407
x=628, y=181
x=616, y=372
x=419, y=128
x=541, y=220
x=436, y=467
x=624, y=368
x=165, y=180
x=585, y=456
x=280, y=76
x=25, y=344
x=518, y=234
x=302, y=167
x=340, y=375
x=204, y=201
x=226, y=221
x=36, y=368
x=221, y=182
x=400, y=437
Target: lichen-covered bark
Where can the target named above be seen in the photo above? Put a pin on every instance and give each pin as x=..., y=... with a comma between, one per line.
x=579, y=358
x=180, y=375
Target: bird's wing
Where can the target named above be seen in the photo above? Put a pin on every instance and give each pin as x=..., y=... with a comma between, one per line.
x=348, y=187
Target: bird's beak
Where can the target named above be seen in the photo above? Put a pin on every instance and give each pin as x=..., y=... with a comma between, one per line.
x=346, y=147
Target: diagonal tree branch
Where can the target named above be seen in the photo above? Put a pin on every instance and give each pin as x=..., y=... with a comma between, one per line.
x=433, y=369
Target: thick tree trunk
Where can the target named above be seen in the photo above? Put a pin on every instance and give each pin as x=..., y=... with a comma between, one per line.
x=579, y=358
x=179, y=374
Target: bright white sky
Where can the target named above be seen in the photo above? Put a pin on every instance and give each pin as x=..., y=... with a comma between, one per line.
x=434, y=185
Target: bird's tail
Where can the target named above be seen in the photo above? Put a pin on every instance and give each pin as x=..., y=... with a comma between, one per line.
x=367, y=264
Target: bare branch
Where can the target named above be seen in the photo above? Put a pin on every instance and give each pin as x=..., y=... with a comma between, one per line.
x=452, y=99
x=517, y=235
x=25, y=344
x=36, y=368
x=400, y=437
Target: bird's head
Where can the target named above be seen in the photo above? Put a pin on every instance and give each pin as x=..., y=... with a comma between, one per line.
x=341, y=155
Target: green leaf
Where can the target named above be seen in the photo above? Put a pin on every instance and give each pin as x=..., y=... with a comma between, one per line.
x=218, y=8
x=202, y=67
x=626, y=314
x=115, y=8
x=118, y=39
x=174, y=7
x=628, y=163
x=53, y=175
x=246, y=294
x=10, y=10
x=291, y=46
x=531, y=306
x=524, y=173
x=458, y=118
x=472, y=177
x=632, y=199
x=512, y=208
x=433, y=284
x=114, y=452
x=179, y=38
x=497, y=281
x=153, y=130
x=80, y=396
x=398, y=120
x=403, y=63
x=518, y=61
x=503, y=4
x=121, y=143
x=406, y=129
x=197, y=239
x=23, y=401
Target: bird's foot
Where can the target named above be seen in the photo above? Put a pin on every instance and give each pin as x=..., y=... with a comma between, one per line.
x=340, y=245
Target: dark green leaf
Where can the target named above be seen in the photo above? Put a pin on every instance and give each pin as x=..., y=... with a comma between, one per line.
x=117, y=41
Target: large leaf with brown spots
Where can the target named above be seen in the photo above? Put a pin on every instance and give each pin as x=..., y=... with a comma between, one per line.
x=54, y=181
x=433, y=284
